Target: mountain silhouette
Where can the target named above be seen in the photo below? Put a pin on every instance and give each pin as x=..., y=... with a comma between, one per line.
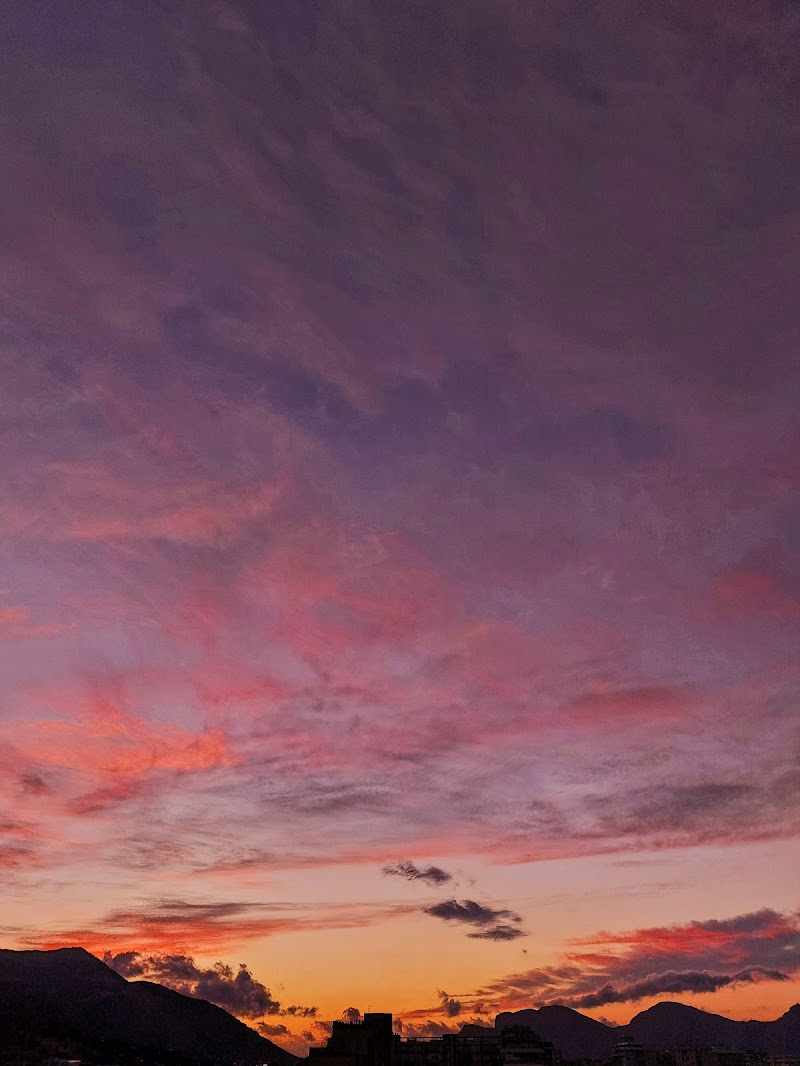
x=678, y=1025
x=67, y=1003
x=575, y=1035
x=660, y=1028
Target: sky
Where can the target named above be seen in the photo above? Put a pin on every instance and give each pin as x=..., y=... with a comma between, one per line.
x=400, y=525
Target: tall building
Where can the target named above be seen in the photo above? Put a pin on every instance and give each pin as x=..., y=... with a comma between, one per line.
x=369, y=1042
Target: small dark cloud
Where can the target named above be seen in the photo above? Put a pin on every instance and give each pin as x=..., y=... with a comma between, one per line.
x=431, y=875
x=499, y=932
x=470, y=912
x=451, y=1007
x=493, y=924
x=272, y=1030
x=351, y=1014
x=300, y=1012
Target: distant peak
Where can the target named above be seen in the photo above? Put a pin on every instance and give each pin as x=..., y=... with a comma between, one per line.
x=74, y=952
x=63, y=962
x=77, y=954
x=672, y=1007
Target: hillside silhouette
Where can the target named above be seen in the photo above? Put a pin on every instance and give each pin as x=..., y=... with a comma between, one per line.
x=67, y=1003
x=659, y=1028
x=574, y=1034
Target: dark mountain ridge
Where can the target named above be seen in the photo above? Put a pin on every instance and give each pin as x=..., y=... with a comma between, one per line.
x=661, y=1027
x=575, y=1035
x=67, y=1003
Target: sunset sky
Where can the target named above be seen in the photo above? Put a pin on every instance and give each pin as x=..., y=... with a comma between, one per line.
x=400, y=574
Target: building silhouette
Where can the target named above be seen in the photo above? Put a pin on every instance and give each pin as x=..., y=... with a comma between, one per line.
x=419, y=1051
x=371, y=1042
x=627, y=1053
x=709, y=1057
x=521, y=1046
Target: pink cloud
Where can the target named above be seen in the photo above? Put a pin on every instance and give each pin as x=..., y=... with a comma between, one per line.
x=99, y=504
x=105, y=739
x=771, y=590
x=697, y=957
x=104, y=752
x=16, y=623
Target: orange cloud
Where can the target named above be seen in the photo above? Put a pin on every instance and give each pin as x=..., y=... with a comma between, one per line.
x=117, y=743
x=202, y=928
